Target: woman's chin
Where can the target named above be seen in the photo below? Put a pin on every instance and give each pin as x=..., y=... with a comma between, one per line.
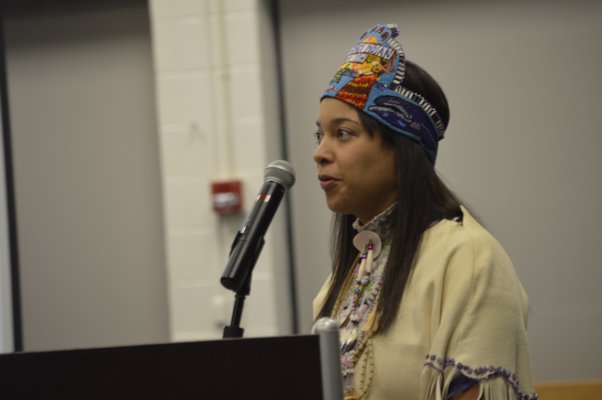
x=337, y=206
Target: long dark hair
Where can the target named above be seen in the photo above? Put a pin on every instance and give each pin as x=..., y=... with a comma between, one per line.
x=422, y=199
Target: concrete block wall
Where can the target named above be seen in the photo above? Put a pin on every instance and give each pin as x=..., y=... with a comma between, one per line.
x=217, y=119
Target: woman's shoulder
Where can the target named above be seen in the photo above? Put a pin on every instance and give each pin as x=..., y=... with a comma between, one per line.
x=464, y=261
x=464, y=231
x=465, y=245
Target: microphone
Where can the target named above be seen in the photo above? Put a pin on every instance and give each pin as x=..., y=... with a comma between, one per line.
x=279, y=176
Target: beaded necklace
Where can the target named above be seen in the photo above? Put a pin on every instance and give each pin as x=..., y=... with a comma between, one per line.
x=356, y=310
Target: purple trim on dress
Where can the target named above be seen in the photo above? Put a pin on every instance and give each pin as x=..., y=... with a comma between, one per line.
x=480, y=374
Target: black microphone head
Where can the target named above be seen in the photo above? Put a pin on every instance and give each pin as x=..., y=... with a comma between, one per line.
x=281, y=172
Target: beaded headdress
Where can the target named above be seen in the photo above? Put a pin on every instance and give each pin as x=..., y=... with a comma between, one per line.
x=371, y=79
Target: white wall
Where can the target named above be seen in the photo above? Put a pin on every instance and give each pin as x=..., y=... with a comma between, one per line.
x=86, y=173
x=217, y=119
x=522, y=147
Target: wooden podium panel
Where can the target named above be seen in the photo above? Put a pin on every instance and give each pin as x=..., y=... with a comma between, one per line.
x=570, y=390
x=263, y=368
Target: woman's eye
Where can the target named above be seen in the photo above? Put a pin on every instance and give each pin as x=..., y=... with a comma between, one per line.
x=318, y=137
x=343, y=133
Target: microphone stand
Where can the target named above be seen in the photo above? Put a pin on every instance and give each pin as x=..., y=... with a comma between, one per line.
x=234, y=331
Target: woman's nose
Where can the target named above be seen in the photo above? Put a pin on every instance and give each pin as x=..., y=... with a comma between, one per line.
x=322, y=154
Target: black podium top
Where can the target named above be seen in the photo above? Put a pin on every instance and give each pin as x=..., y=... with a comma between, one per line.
x=262, y=368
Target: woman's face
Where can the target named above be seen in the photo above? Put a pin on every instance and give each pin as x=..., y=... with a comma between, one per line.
x=356, y=172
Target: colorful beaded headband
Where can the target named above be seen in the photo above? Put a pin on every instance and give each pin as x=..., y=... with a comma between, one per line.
x=371, y=80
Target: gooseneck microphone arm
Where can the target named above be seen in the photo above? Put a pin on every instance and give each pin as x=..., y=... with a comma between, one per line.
x=247, y=245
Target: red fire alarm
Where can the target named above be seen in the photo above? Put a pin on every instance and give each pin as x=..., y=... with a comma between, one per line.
x=226, y=197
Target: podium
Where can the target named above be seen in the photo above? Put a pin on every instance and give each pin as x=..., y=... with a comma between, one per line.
x=289, y=367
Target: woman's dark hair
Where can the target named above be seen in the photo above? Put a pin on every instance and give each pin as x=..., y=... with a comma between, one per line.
x=422, y=199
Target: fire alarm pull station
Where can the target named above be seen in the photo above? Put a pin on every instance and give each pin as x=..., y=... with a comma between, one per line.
x=226, y=197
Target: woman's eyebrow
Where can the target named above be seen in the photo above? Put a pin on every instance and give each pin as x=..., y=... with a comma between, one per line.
x=339, y=120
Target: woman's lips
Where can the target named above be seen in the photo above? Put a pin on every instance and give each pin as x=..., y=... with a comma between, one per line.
x=327, y=182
